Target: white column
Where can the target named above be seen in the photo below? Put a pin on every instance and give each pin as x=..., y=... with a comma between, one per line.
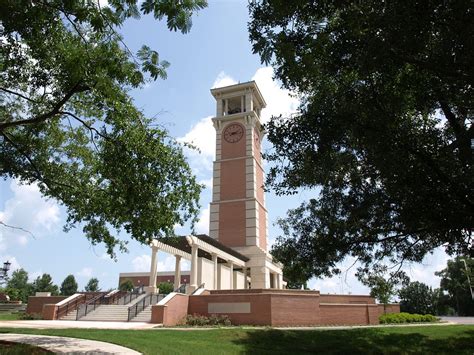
x=177, y=272
x=280, y=281
x=231, y=267
x=152, y=281
x=194, y=268
x=215, y=264
x=246, y=284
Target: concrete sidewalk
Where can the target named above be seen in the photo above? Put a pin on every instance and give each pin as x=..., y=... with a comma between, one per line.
x=63, y=345
x=61, y=324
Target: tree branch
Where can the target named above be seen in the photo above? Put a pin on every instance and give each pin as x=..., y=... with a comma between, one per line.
x=18, y=94
x=45, y=116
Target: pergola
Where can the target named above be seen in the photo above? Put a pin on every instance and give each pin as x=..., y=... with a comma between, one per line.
x=191, y=248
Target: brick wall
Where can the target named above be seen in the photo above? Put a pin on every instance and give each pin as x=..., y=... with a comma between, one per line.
x=294, y=309
x=35, y=303
x=348, y=314
x=389, y=308
x=171, y=313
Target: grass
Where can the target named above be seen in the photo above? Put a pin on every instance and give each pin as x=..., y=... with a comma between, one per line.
x=10, y=316
x=455, y=339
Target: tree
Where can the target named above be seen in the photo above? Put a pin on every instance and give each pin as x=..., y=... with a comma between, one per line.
x=45, y=284
x=18, y=287
x=417, y=297
x=383, y=132
x=69, y=286
x=455, y=282
x=165, y=288
x=126, y=286
x=92, y=285
x=68, y=124
x=382, y=283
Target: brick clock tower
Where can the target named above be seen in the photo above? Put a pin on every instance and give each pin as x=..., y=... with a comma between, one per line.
x=238, y=217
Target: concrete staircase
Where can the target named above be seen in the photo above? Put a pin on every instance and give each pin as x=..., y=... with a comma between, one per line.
x=112, y=312
x=108, y=312
x=70, y=316
x=143, y=316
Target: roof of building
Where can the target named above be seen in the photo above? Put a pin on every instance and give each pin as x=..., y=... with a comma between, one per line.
x=180, y=242
x=236, y=87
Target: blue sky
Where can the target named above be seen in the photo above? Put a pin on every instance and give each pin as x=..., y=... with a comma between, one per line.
x=216, y=52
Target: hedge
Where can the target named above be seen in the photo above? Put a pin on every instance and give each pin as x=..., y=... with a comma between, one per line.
x=391, y=318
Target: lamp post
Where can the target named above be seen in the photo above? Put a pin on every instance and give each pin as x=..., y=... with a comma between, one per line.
x=4, y=272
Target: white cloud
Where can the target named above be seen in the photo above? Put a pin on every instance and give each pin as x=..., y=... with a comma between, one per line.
x=202, y=227
x=279, y=101
x=85, y=272
x=30, y=211
x=223, y=80
x=141, y=263
x=203, y=136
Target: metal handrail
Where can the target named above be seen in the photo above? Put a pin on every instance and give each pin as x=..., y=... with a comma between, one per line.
x=135, y=309
x=89, y=306
x=130, y=296
x=199, y=287
x=69, y=306
x=181, y=289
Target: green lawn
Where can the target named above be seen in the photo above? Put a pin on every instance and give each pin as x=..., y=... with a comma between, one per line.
x=454, y=339
x=10, y=316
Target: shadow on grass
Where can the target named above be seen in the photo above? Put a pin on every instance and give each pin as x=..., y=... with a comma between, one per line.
x=358, y=341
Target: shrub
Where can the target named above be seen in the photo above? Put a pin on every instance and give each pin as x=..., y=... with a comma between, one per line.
x=212, y=320
x=30, y=316
x=395, y=318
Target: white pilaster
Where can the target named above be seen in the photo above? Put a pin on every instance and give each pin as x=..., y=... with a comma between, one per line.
x=231, y=268
x=177, y=272
x=194, y=268
x=215, y=264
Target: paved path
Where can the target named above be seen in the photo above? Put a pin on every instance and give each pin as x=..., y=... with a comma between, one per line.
x=63, y=345
x=61, y=324
x=459, y=320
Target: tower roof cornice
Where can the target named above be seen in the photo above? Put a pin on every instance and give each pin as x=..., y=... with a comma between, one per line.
x=216, y=92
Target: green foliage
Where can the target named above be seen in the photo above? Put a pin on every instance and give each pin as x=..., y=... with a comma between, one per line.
x=92, y=285
x=382, y=283
x=393, y=318
x=45, y=284
x=416, y=297
x=165, y=287
x=68, y=124
x=126, y=285
x=383, y=133
x=31, y=316
x=69, y=286
x=18, y=287
x=212, y=320
x=14, y=294
x=454, y=280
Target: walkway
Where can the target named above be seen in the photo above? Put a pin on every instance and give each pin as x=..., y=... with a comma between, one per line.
x=459, y=320
x=61, y=324
x=64, y=345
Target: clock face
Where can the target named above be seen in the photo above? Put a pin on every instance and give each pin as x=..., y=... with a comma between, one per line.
x=233, y=133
